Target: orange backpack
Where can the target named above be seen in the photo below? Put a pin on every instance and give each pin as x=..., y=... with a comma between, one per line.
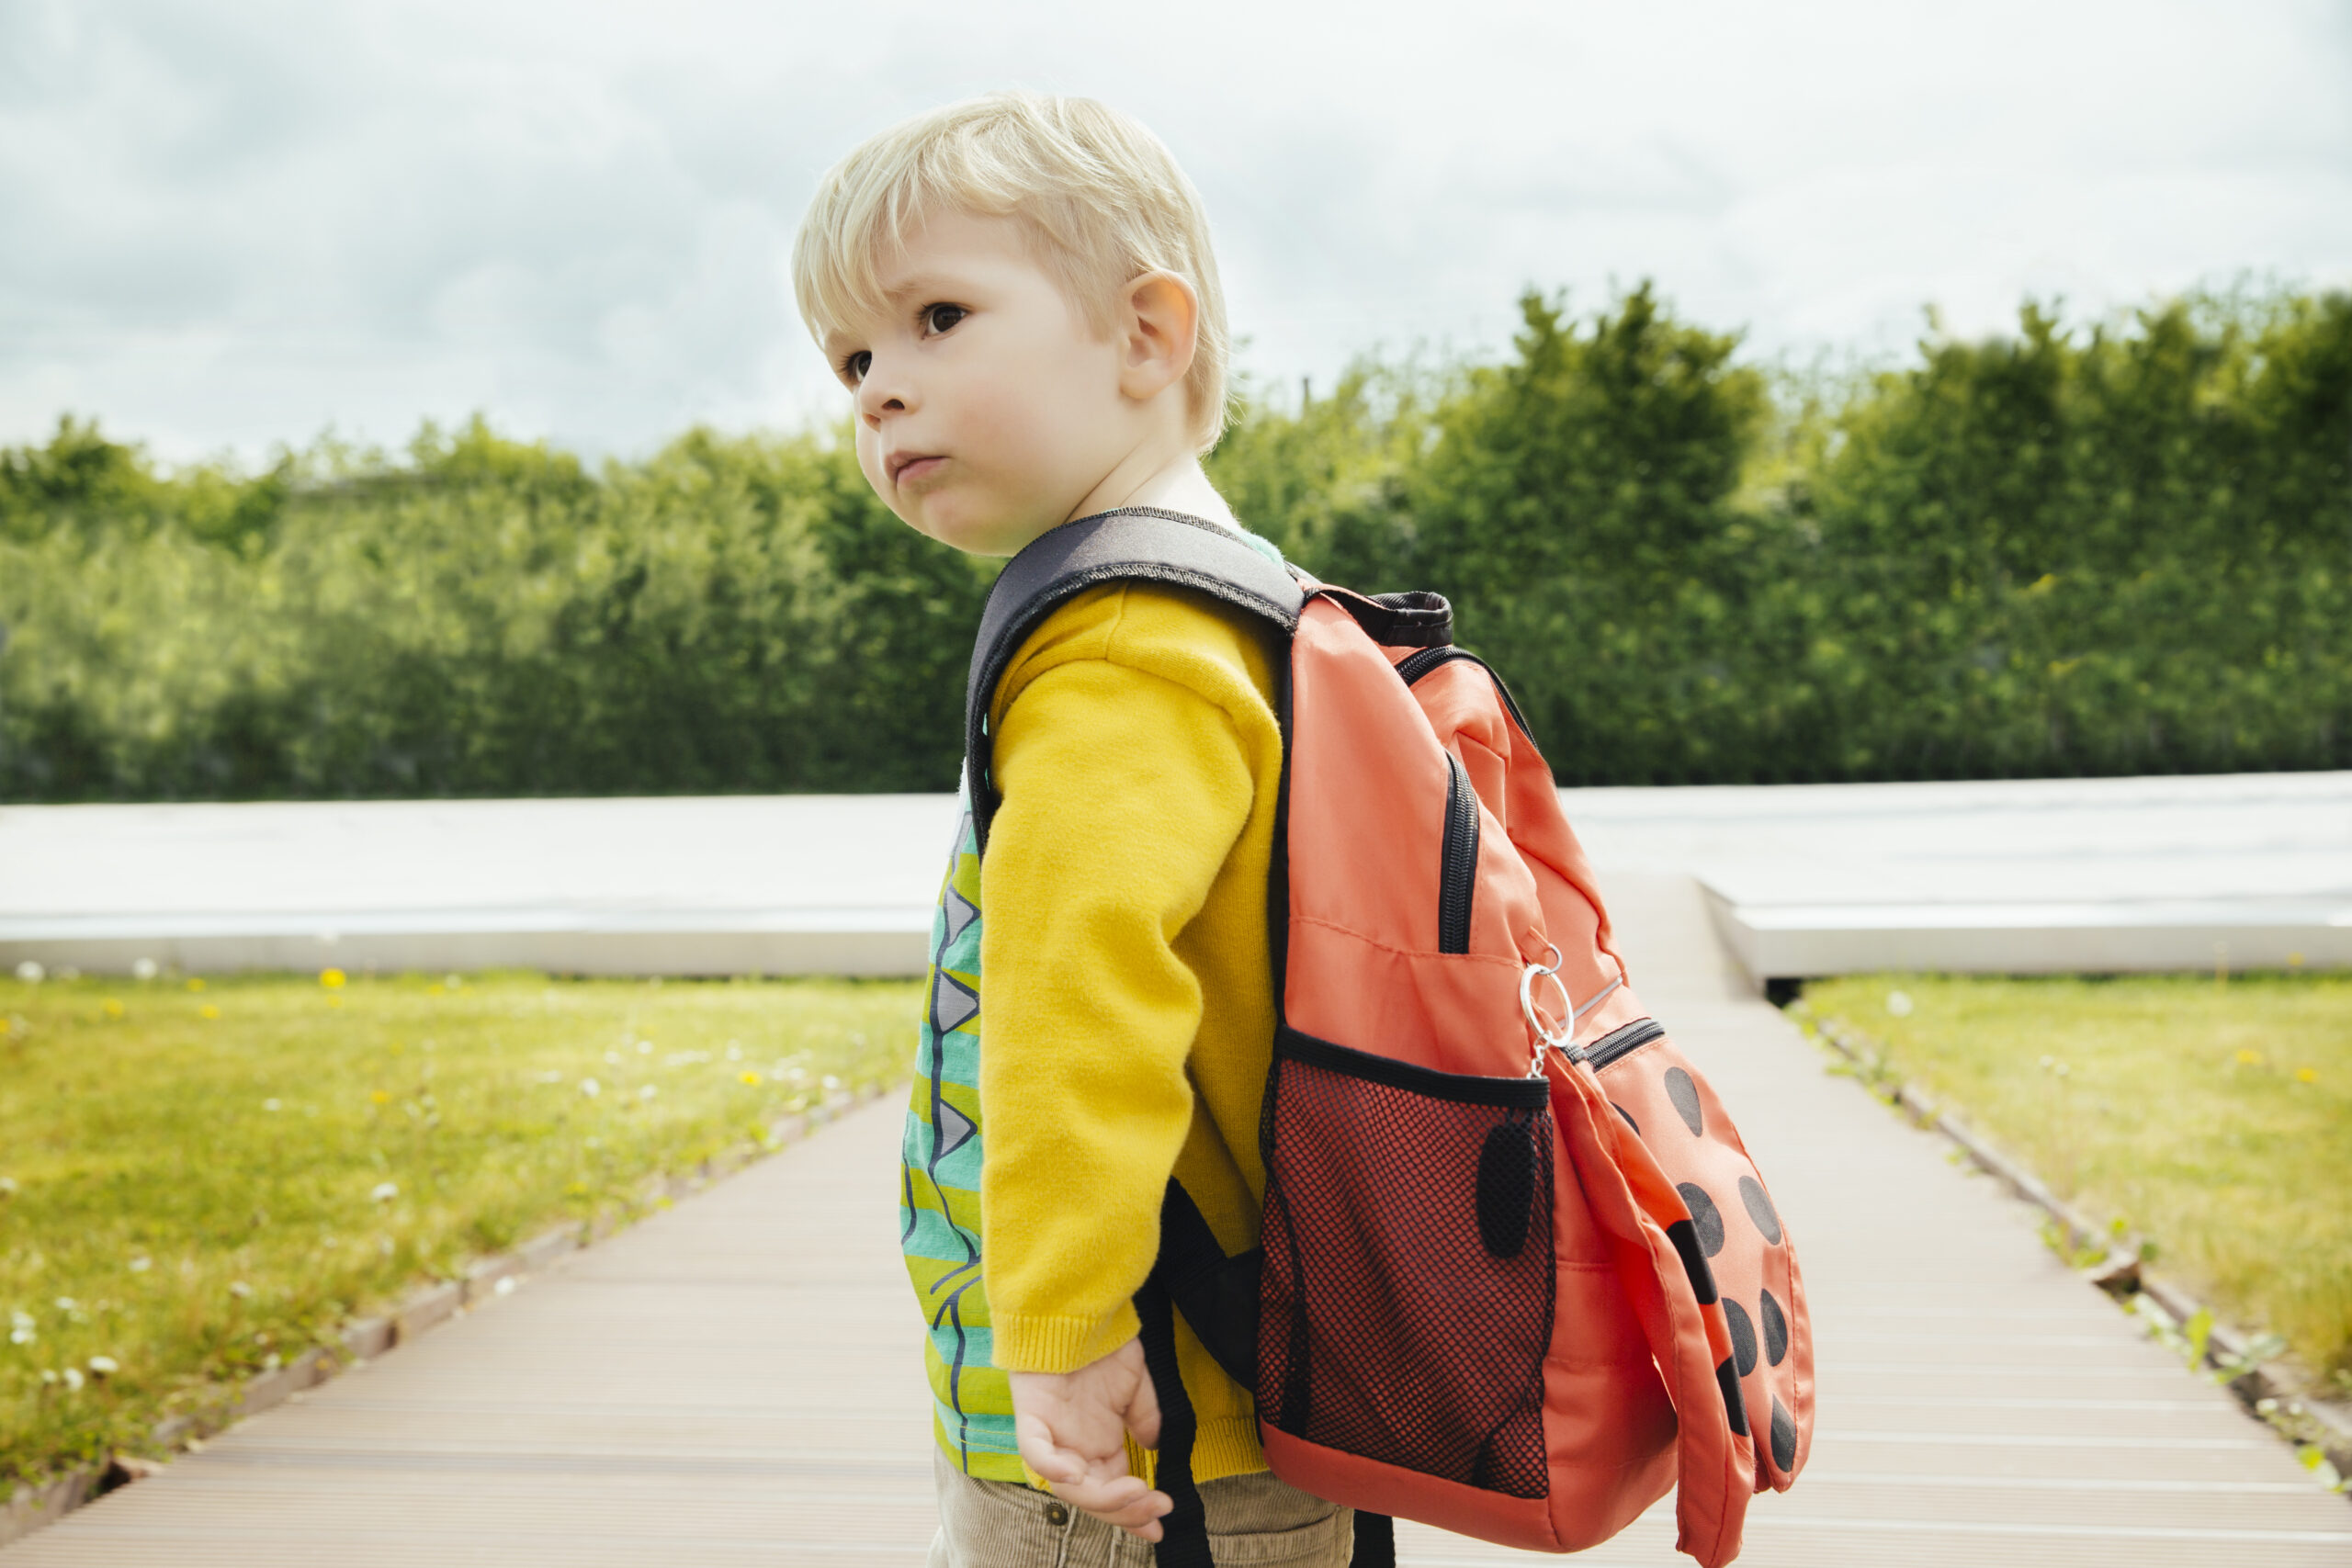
x=1518, y=1276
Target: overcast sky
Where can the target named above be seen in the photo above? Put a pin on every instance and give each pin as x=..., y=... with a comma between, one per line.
x=237, y=222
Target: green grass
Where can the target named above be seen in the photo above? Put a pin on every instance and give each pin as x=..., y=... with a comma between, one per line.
x=2212, y=1116
x=196, y=1180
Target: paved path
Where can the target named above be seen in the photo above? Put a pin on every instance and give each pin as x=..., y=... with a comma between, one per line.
x=737, y=1381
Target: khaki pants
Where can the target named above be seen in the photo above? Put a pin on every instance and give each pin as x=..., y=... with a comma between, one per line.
x=1255, y=1521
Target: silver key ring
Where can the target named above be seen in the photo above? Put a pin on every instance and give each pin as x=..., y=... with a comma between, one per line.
x=1557, y=1039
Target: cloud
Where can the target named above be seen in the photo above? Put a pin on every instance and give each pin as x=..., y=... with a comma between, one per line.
x=238, y=224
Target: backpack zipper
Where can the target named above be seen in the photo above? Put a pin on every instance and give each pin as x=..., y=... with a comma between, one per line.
x=1622, y=1042
x=1413, y=666
x=1458, y=864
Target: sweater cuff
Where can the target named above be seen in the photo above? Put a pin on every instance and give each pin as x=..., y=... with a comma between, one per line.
x=1022, y=1344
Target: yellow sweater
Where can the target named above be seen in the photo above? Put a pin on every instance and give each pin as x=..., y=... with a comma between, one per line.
x=1128, y=988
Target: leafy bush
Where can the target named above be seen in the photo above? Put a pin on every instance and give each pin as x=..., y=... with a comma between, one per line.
x=2121, y=548
x=483, y=619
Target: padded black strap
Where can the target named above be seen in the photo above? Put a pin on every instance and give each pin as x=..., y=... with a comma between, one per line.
x=1217, y=1295
x=1134, y=543
x=1375, y=1541
x=1185, y=1531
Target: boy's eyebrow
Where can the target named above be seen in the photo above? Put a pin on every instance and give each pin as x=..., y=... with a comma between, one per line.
x=930, y=282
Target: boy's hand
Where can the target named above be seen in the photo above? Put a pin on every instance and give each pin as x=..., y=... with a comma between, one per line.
x=1072, y=1428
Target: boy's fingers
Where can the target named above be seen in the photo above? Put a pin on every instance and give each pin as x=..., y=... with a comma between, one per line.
x=1108, y=1494
x=1041, y=1453
x=1058, y=1468
x=1125, y=1502
x=1143, y=1413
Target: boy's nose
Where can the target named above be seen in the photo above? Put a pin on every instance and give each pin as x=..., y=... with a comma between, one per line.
x=883, y=392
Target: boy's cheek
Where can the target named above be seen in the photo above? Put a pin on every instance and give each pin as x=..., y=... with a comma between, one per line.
x=869, y=463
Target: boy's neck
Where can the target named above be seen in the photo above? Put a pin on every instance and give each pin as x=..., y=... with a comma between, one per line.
x=1179, y=485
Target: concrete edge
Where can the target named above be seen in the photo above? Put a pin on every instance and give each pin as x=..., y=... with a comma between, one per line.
x=2119, y=1274
x=33, y=1506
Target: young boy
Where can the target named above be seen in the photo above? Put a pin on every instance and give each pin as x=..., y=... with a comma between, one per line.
x=1018, y=293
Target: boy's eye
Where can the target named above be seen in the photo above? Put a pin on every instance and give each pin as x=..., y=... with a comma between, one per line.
x=940, y=318
x=853, y=366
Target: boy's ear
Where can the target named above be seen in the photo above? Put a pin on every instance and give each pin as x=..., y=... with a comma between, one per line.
x=1160, y=330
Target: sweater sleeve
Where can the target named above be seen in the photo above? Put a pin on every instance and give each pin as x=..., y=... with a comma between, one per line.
x=1124, y=792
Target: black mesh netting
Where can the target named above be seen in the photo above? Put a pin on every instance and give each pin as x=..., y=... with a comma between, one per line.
x=1408, y=1278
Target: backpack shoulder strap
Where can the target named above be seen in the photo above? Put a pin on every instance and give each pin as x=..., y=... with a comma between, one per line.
x=1134, y=544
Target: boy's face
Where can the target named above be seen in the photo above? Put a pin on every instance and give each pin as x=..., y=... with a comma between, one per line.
x=987, y=410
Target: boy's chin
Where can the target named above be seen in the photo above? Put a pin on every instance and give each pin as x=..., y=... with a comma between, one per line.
x=974, y=531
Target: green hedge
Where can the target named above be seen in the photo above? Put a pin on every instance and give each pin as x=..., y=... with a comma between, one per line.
x=2114, y=549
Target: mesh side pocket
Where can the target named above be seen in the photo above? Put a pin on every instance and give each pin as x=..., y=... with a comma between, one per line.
x=1408, y=1293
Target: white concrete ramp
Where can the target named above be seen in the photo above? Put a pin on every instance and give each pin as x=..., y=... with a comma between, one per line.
x=2017, y=876
x=2011, y=876
x=723, y=884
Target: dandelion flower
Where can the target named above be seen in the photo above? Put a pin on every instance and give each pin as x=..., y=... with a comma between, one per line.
x=67, y=1303
x=73, y=1380
x=645, y=1047
x=140, y=1265
x=832, y=1082
x=380, y=1096
x=8, y=1187
x=648, y=1092
x=111, y=1008
x=207, y=1011
x=103, y=1366
x=734, y=1052
x=239, y=1290
x=272, y=1105
x=196, y=982
x=2307, y=1075
x=1899, y=1004
x=332, y=979
x=384, y=1192
x=751, y=1078
x=591, y=1087
x=30, y=972
x=2249, y=1058
x=142, y=969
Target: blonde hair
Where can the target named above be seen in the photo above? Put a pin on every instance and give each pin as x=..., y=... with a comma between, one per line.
x=1102, y=199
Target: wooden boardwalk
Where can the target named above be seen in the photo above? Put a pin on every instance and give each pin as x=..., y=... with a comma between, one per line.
x=737, y=1380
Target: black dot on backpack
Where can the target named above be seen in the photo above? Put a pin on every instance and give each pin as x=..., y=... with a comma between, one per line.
x=1628, y=1115
x=1784, y=1437
x=1685, y=1095
x=1743, y=1336
x=1685, y=1237
x=1760, y=1209
x=1506, y=1187
x=1776, y=1330
x=1734, y=1405
x=1704, y=1216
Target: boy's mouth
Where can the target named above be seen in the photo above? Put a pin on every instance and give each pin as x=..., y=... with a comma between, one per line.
x=906, y=466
